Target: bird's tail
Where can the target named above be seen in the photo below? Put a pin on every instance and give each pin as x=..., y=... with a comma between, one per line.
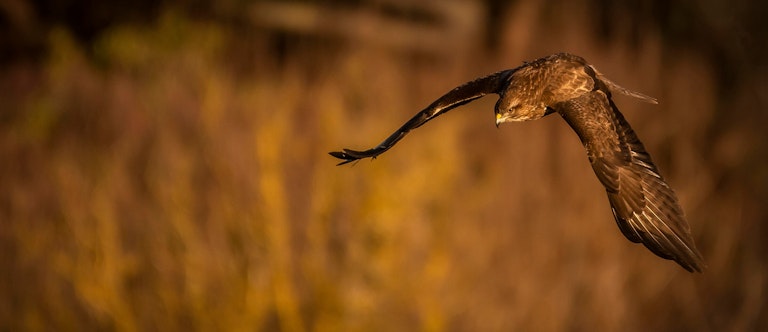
x=622, y=90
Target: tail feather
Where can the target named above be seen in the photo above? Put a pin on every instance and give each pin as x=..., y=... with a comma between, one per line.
x=622, y=90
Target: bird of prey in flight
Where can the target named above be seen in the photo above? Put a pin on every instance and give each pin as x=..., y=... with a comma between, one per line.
x=644, y=206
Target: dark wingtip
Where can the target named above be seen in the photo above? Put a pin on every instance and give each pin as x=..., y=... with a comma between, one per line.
x=697, y=267
x=353, y=155
x=343, y=156
x=694, y=264
x=338, y=154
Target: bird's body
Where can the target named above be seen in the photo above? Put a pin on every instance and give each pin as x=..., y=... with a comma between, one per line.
x=644, y=206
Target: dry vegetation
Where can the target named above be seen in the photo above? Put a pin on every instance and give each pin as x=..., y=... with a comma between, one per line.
x=174, y=176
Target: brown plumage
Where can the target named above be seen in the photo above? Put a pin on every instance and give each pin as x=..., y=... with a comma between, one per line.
x=644, y=206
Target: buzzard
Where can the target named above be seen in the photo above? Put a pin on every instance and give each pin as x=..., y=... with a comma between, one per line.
x=644, y=206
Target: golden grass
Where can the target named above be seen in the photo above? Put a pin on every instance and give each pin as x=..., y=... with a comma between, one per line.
x=150, y=186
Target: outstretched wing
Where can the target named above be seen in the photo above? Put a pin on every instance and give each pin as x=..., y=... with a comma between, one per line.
x=459, y=96
x=644, y=206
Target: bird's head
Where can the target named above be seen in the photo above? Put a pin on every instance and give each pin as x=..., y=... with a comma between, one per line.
x=511, y=107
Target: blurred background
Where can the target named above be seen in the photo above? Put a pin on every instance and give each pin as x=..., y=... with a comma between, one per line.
x=164, y=167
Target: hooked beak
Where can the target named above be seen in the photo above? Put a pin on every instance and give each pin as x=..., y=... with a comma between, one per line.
x=499, y=120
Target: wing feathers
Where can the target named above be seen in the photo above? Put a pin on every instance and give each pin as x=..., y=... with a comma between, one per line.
x=644, y=206
x=459, y=96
